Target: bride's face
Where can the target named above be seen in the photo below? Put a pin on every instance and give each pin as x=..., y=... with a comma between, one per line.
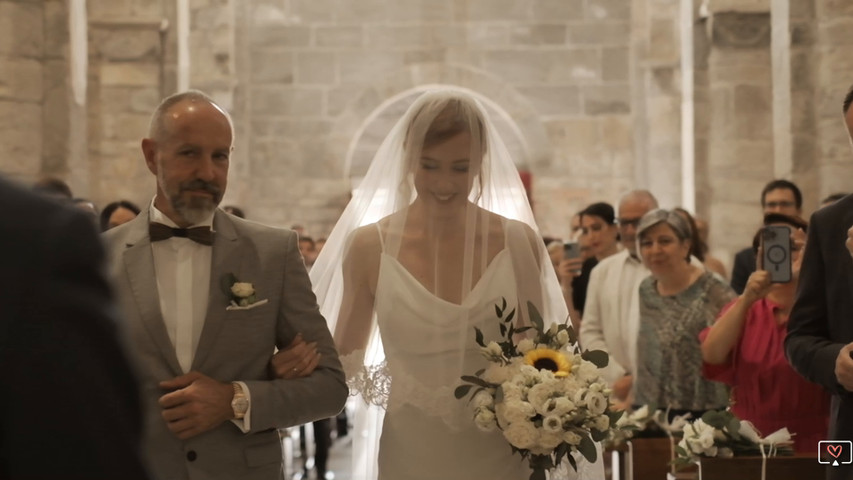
x=445, y=172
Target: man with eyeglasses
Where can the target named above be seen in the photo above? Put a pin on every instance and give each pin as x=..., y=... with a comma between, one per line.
x=778, y=196
x=611, y=315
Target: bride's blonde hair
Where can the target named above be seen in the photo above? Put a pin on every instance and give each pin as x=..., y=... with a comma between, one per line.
x=442, y=115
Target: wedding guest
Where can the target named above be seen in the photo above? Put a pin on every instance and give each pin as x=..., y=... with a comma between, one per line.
x=698, y=246
x=778, y=196
x=118, y=213
x=745, y=349
x=830, y=199
x=53, y=187
x=612, y=312
x=677, y=301
x=69, y=403
x=600, y=233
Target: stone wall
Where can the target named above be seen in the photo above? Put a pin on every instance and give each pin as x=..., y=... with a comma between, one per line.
x=22, y=71
x=740, y=115
x=317, y=68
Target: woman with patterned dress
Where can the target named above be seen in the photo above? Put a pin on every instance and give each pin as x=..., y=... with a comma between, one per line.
x=677, y=301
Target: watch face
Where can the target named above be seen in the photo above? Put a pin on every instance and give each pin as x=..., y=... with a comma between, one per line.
x=240, y=405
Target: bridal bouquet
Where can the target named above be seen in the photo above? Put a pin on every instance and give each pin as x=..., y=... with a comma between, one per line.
x=722, y=434
x=547, y=398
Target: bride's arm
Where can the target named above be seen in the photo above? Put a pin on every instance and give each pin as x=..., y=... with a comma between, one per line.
x=360, y=272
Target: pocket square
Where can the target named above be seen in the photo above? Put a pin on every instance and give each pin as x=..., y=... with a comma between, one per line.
x=234, y=305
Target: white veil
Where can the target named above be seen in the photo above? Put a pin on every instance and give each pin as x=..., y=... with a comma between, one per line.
x=496, y=217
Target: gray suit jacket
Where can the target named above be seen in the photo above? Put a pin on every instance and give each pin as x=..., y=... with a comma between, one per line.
x=234, y=345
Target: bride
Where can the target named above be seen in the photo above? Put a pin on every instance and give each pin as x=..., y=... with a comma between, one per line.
x=404, y=294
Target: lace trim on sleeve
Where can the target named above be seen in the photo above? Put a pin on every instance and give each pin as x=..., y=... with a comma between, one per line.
x=372, y=382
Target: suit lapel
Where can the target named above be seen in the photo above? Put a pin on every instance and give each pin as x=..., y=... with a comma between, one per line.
x=139, y=265
x=225, y=258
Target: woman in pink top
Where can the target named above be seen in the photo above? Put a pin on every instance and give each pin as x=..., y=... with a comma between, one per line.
x=744, y=349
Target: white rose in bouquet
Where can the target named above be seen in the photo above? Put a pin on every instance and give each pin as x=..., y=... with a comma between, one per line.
x=552, y=424
x=522, y=435
x=512, y=391
x=548, y=441
x=497, y=373
x=485, y=420
x=572, y=438
x=525, y=346
x=602, y=423
x=516, y=412
x=492, y=351
x=558, y=406
x=563, y=338
x=596, y=403
x=483, y=398
x=540, y=394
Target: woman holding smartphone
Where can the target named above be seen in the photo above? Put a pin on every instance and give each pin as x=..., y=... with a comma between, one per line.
x=599, y=237
x=744, y=349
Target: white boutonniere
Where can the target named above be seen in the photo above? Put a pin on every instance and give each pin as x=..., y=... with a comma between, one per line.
x=241, y=294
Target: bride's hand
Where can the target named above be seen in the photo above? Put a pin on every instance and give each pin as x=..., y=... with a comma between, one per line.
x=299, y=359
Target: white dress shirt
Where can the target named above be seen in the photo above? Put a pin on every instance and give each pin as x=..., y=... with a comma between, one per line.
x=612, y=313
x=182, y=268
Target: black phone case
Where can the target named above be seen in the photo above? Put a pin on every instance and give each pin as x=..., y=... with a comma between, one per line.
x=777, y=252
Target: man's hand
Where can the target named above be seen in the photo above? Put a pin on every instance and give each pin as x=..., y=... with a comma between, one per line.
x=622, y=387
x=197, y=404
x=299, y=359
x=844, y=367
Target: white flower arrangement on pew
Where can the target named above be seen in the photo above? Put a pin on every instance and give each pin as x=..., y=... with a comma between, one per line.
x=547, y=397
x=722, y=434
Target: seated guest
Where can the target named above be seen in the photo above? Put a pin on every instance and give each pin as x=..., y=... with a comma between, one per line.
x=744, y=349
x=677, y=301
x=830, y=199
x=117, y=213
x=53, y=187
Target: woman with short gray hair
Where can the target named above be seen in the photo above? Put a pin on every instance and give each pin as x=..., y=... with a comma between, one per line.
x=677, y=301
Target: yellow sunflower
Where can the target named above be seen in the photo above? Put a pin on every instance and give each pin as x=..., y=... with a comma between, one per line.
x=548, y=359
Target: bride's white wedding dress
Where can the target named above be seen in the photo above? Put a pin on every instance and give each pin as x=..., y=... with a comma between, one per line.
x=427, y=433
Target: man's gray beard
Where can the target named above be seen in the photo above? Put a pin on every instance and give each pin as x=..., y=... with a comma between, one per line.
x=195, y=213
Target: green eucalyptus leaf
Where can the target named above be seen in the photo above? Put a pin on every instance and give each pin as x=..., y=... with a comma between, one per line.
x=499, y=312
x=462, y=390
x=535, y=317
x=479, y=338
x=573, y=462
x=510, y=316
x=599, y=358
x=476, y=381
x=587, y=449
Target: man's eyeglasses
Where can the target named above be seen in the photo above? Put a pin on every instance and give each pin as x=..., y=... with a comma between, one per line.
x=784, y=204
x=628, y=222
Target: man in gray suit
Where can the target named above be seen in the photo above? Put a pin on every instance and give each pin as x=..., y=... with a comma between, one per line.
x=208, y=297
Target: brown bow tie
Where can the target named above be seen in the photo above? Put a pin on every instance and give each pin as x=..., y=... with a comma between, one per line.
x=158, y=231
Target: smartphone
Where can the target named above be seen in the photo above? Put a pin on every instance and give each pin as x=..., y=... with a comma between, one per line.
x=571, y=250
x=776, y=247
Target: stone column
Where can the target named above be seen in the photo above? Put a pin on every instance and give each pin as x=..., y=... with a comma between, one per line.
x=22, y=71
x=740, y=131
x=128, y=77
